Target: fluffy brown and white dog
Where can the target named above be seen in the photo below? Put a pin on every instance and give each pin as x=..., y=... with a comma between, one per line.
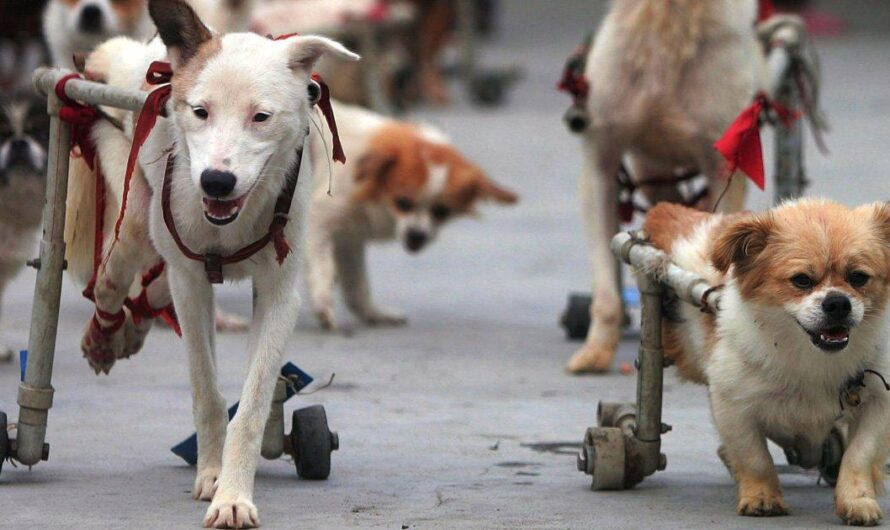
x=403, y=181
x=666, y=79
x=803, y=318
x=74, y=27
x=238, y=117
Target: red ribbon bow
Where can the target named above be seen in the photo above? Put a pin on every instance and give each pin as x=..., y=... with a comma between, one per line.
x=81, y=118
x=740, y=145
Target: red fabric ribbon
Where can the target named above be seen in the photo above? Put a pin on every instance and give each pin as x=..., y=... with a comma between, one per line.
x=765, y=10
x=740, y=145
x=574, y=84
x=141, y=309
x=324, y=104
x=81, y=118
x=159, y=73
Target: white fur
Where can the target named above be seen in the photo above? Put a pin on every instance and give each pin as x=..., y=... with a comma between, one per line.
x=249, y=74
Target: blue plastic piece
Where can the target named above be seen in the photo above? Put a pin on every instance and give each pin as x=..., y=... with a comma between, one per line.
x=631, y=296
x=188, y=448
x=23, y=363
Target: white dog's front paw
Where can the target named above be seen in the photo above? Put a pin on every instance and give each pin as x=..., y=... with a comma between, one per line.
x=236, y=512
x=205, y=484
x=384, y=317
x=862, y=511
x=326, y=319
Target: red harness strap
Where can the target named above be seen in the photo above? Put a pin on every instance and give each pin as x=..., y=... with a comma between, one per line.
x=141, y=309
x=213, y=262
x=740, y=144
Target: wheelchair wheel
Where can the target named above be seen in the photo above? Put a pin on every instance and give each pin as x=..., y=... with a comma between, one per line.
x=312, y=443
x=576, y=317
x=4, y=440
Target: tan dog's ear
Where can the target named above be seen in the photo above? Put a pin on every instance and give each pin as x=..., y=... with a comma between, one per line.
x=882, y=220
x=487, y=189
x=179, y=27
x=740, y=243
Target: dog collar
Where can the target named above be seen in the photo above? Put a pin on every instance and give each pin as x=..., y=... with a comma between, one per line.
x=213, y=261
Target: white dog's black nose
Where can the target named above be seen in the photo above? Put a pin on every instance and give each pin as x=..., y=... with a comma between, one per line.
x=837, y=306
x=91, y=19
x=415, y=239
x=216, y=183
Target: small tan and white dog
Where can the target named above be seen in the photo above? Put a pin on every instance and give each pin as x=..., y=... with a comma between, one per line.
x=403, y=181
x=238, y=117
x=666, y=79
x=803, y=318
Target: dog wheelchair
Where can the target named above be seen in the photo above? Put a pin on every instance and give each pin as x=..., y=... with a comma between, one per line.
x=793, y=83
x=625, y=446
x=310, y=442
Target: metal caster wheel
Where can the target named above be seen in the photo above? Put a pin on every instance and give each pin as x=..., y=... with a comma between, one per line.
x=4, y=440
x=490, y=88
x=832, y=453
x=312, y=443
x=603, y=457
x=576, y=317
x=621, y=415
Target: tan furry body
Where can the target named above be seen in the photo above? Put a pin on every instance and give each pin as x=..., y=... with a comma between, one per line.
x=771, y=371
x=666, y=79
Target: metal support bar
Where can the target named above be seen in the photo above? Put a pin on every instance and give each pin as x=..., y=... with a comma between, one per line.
x=273, y=435
x=633, y=249
x=35, y=392
x=466, y=38
x=371, y=68
x=650, y=378
x=790, y=178
x=45, y=80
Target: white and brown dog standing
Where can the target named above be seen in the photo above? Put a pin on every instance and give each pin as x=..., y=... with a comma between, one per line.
x=403, y=182
x=238, y=117
x=666, y=79
x=803, y=321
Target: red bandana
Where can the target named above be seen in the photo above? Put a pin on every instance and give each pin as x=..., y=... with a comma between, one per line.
x=740, y=144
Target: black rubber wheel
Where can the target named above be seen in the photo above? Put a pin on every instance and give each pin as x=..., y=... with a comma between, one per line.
x=4, y=440
x=312, y=443
x=576, y=317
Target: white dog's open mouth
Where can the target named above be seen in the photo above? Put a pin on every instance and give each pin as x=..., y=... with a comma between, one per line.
x=832, y=339
x=221, y=212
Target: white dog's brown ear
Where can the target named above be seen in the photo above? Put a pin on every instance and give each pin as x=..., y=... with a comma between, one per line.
x=306, y=51
x=179, y=27
x=739, y=243
x=490, y=190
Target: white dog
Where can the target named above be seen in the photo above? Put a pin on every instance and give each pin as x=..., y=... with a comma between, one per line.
x=216, y=176
x=666, y=79
x=799, y=341
x=403, y=182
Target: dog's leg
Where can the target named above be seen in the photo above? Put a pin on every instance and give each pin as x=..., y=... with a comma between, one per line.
x=275, y=314
x=350, y=254
x=599, y=197
x=193, y=298
x=745, y=452
x=862, y=468
x=321, y=269
x=126, y=258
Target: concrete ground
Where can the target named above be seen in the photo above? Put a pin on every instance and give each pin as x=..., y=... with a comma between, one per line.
x=441, y=423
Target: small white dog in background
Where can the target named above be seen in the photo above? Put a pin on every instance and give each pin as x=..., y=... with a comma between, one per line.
x=666, y=80
x=78, y=26
x=402, y=182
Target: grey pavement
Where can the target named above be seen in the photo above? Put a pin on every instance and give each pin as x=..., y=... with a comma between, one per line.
x=435, y=418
